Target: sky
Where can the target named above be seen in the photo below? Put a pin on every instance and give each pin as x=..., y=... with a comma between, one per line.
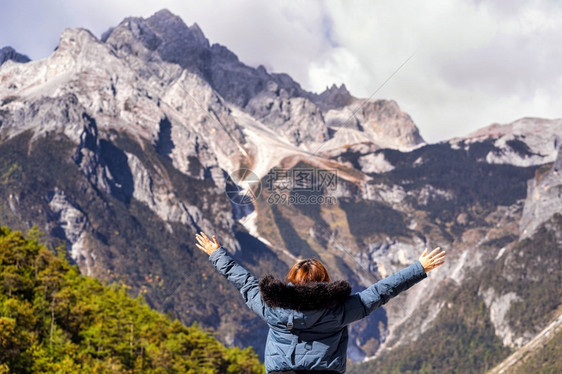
x=473, y=62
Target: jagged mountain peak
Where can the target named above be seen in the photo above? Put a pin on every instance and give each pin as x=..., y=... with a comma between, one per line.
x=334, y=88
x=274, y=99
x=10, y=54
x=196, y=29
x=165, y=15
x=167, y=22
x=334, y=97
x=172, y=29
x=166, y=37
x=123, y=64
x=76, y=40
x=163, y=32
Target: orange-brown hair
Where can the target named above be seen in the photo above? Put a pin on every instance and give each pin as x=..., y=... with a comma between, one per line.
x=306, y=271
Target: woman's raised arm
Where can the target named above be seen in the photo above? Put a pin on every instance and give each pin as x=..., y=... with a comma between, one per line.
x=241, y=278
x=363, y=303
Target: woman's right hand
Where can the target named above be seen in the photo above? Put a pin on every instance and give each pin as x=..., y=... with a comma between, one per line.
x=432, y=260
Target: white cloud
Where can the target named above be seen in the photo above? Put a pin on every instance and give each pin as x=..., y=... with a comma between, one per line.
x=476, y=62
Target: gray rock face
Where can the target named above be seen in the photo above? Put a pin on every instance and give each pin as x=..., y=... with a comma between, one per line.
x=76, y=227
x=296, y=117
x=8, y=53
x=274, y=99
x=380, y=122
x=88, y=157
x=499, y=306
x=385, y=119
x=333, y=98
x=166, y=37
x=544, y=197
x=56, y=114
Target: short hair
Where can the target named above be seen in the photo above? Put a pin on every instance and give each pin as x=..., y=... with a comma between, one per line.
x=308, y=271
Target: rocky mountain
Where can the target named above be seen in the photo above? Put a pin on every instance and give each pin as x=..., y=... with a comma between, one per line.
x=8, y=53
x=123, y=147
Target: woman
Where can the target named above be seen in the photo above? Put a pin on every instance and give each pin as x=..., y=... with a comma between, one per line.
x=308, y=314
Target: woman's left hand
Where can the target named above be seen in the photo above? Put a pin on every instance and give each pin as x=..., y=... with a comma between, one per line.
x=205, y=244
x=432, y=260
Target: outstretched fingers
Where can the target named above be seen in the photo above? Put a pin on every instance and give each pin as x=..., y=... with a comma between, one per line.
x=434, y=251
x=205, y=244
x=438, y=254
x=439, y=259
x=432, y=260
x=200, y=240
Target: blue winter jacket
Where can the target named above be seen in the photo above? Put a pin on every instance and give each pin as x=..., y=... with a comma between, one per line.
x=310, y=339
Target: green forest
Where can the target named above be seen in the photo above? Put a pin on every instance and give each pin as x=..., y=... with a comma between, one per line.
x=55, y=320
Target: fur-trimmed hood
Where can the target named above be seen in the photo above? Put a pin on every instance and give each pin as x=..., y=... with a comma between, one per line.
x=278, y=294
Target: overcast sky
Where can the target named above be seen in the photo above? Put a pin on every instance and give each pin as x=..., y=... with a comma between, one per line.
x=475, y=62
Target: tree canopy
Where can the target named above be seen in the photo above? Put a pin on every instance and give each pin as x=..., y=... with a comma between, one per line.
x=55, y=320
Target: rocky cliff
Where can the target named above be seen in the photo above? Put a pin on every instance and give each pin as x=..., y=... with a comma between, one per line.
x=123, y=147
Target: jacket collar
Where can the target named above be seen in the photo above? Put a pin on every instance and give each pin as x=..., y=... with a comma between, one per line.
x=277, y=294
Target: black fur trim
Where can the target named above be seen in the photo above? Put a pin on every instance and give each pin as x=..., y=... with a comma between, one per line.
x=311, y=296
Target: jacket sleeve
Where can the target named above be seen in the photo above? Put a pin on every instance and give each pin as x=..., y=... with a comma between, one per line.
x=241, y=278
x=363, y=303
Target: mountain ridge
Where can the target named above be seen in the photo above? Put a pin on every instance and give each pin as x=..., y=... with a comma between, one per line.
x=123, y=149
